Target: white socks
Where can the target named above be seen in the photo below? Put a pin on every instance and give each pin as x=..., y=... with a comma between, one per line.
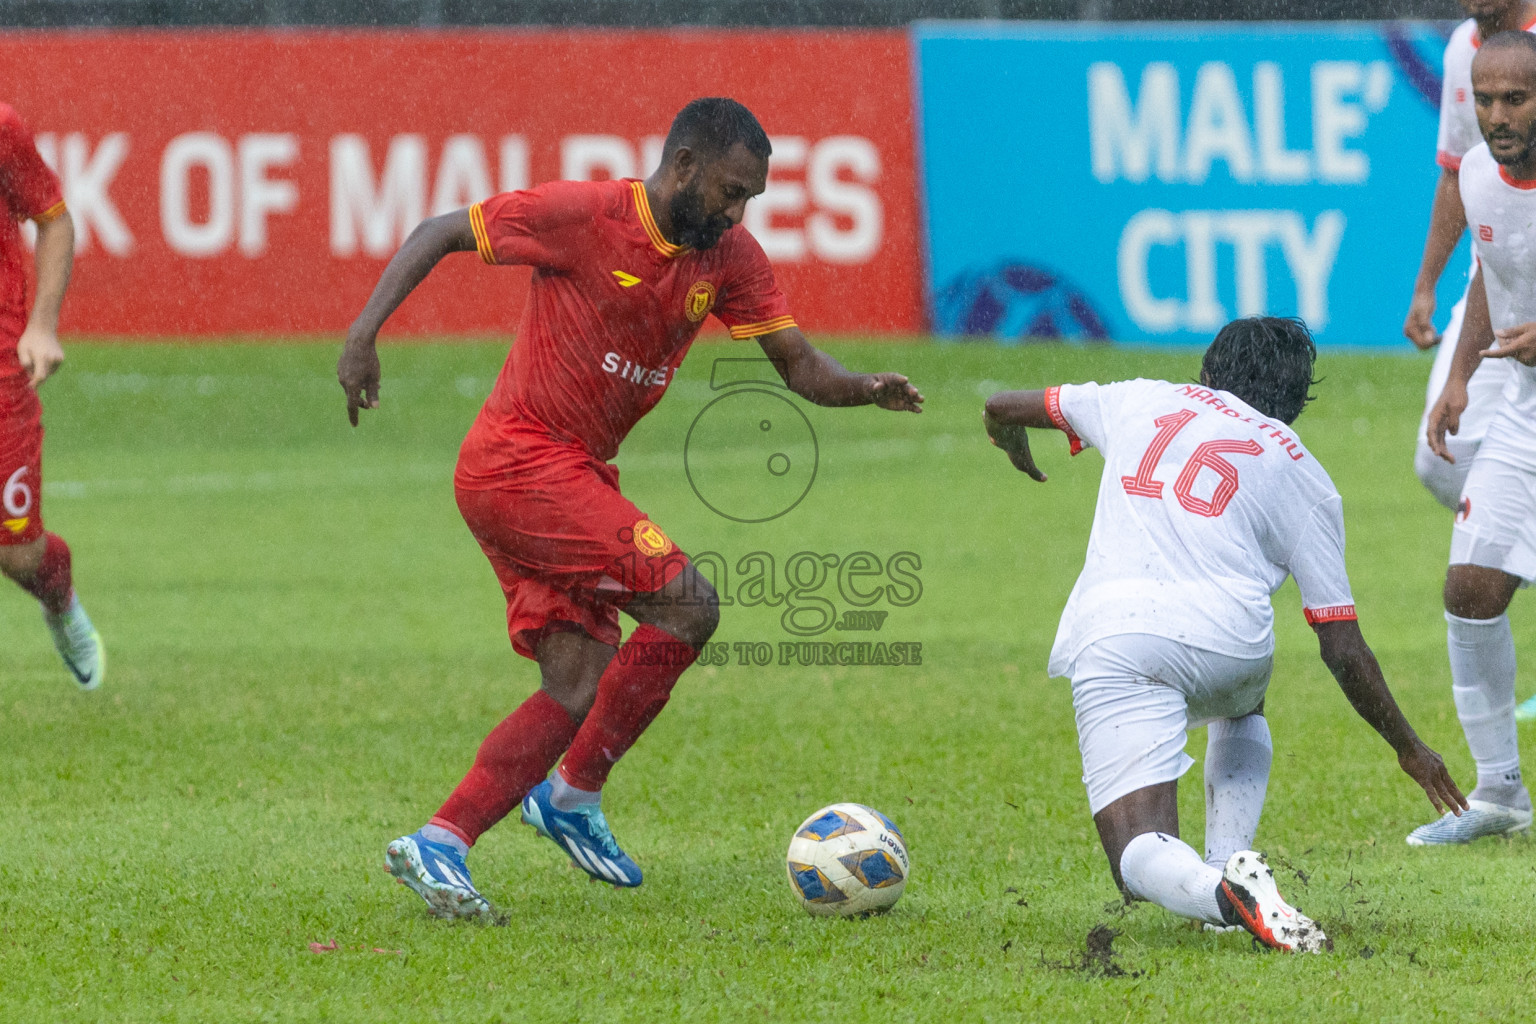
x=567, y=797
x=1237, y=756
x=1483, y=684
x=1167, y=871
x=438, y=834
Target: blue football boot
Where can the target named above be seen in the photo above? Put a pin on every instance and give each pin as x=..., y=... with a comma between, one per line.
x=584, y=836
x=438, y=875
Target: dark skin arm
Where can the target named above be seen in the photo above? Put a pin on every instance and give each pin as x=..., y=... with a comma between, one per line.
x=1349, y=658
x=1475, y=343
x=1007, y=417
x=1447, y=220
x=818, y=378
x=38, y=348
x=358, y=369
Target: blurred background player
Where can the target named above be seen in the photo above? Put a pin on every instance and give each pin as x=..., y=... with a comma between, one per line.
x=29, y=353
x=1207, y=503
x=1493, y=544
x=1458, y=134
x=624, y=274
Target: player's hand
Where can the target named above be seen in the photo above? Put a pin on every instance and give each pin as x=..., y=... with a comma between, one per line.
x=40, y=354
x=1419, y=328
x=1425, y=767
x=358, y=371
x=1518, y=343
x=1014, y=441
x=892, y=391
x=1445, y=418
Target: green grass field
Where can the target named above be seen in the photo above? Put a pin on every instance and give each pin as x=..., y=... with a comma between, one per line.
x=307, y=647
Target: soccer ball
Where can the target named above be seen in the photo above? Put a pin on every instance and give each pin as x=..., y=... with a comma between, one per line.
x=848, y=860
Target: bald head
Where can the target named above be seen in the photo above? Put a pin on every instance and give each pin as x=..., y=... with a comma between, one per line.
x=1504, y=90
x=1517, y=41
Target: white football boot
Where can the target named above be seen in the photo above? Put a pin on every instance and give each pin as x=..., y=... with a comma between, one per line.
x=78, y=644
x=1482, y=819
x=1249, y=883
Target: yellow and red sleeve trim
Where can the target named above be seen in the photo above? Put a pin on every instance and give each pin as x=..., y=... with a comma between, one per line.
x=482, y=236
x=643, y=208
x=1446, y=160
x=1333, y=613
x=1053, y=410
x=53, y=212
x=757, y=330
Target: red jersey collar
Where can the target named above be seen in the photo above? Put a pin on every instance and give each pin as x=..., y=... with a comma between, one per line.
x=643, y=208
x=1520, y=183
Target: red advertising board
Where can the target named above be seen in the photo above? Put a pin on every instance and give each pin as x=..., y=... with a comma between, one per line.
x=250, y=182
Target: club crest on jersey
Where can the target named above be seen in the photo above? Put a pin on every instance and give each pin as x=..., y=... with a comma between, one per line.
x=1485, y=232
x=700, y=300
x=650, y=541
x=1463, y=510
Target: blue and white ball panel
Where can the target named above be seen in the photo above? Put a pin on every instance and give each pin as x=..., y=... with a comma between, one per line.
x=847, y=860
x=876, y=869
x=830, y=825
x=813, y=886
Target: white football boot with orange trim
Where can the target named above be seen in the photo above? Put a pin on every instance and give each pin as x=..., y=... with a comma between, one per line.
x=1248, y=882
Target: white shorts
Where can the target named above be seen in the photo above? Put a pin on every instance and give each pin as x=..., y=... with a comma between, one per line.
x=1496, y=523
x=1484, y=393
x=1136, y=696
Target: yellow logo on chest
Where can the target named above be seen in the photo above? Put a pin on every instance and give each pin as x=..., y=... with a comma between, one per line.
x=699, y=301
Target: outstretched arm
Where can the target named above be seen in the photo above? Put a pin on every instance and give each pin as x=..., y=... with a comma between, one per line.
x=1006, y=417
x=358, y=368
x=817, y=377
x=38, y=348
x=1349, y=658
x=1447, y=220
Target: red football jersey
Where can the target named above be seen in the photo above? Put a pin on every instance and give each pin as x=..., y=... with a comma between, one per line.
x=28, y=191
x=611, y=312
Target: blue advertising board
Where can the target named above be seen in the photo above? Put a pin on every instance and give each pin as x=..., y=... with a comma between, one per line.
x=1148, y=183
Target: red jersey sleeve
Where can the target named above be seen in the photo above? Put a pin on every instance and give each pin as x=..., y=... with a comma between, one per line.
x=544, y=226
x=27, y=186
x=750, y=301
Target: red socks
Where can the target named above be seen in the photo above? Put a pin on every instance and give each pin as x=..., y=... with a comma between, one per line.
x=519, y=752
x=514, y=758
x=632, y=692
x=52, y=583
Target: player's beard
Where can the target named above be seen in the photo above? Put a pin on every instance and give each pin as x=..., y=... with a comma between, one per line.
x=1520, y=156
x=693, y=226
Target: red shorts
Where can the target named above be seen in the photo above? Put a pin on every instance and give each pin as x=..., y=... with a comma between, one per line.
x=21, y=463
x=567, y=547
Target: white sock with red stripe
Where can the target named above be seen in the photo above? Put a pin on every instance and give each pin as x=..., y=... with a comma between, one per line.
x=1238, y=752
x=1482, y=653
x=1165, y=870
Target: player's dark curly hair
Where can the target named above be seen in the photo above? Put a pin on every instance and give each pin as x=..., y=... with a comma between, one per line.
x=712, y=125
x=1266, y=361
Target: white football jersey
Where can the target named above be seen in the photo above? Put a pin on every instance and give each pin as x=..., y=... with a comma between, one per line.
x=1501, y=213
x=1204, y=508
x=1458, y=114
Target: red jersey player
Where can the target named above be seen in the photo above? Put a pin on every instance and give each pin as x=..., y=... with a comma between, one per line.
x=624, y=274
x=29, y=353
